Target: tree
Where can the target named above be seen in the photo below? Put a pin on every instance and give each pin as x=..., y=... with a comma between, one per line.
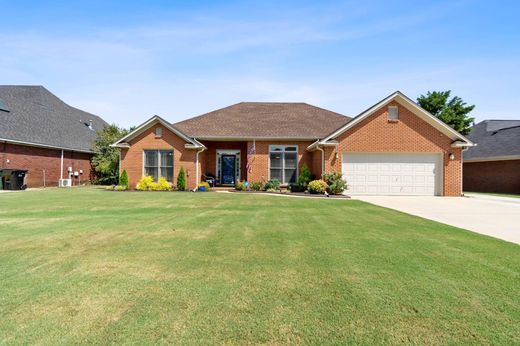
x=123, y=179
x=454, y=112
x=305, y=177
x=181, y=180
x=105, y=161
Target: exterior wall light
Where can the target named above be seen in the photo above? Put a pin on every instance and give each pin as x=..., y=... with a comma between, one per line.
x=452, y=156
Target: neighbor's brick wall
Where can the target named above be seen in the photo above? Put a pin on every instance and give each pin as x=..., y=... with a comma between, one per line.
x=260, y=169
x=37, y=160
x=492, y=176
x=410, y=134
x=132, y=158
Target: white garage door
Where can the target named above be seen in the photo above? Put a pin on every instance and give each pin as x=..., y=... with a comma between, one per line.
x=392, y=174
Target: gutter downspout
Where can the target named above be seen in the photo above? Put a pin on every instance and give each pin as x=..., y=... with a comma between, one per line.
x=61, y=165
x=322, y=159
x=197, y=167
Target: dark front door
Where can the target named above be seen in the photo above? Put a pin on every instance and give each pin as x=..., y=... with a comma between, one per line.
x=228, y=169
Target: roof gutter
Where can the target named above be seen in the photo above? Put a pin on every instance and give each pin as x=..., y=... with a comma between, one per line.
x=461, y=144
x=12, y=141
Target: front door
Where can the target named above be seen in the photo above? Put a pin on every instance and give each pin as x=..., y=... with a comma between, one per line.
x=228, y=169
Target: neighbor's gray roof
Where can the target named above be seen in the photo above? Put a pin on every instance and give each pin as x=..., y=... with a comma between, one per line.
x=494, y=138
x=264, y=120
x=37, y=116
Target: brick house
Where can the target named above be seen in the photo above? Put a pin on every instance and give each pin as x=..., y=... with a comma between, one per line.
x=493, y=165
x=43, y=135
x=393, y=147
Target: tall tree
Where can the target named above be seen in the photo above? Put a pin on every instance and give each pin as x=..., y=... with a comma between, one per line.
x=106, y=159
x=453, y=112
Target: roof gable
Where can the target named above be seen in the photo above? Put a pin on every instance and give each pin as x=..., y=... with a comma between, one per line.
x=264, y=120
x=123, y=142
x=413, y=107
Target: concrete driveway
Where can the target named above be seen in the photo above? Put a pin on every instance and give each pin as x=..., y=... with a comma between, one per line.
x=498, y=217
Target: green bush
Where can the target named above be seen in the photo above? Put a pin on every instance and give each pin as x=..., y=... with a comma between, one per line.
x=317, y=187
x=335, y=182
x=305, y=177
x=240, y=186
x=145, y=184
x=120, y=188
x=256, y=186
x=297, y=188
x=181, y=180
x=273, y=184
x=123, y=179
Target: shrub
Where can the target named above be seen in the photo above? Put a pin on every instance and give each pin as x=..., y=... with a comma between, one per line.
x=335, y=182
x=120, y=188
x=181, y=180
x=297, y=188
x=240, y=186
x=145, y=184
x=317, y=187
x=256, y=186
x=161, y=185
x=204, y=185
x=123, y=179
x=304, y=178
x=273, y=184
x=271, y=190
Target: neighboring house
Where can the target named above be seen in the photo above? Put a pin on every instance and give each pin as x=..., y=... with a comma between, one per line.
x=45, y=136
x=394, y=147
x=493, y=165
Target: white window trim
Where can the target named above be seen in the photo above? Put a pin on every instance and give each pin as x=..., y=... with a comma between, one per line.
x=283, y=146
x=160, y=130
x=158, y=162
x=238, y=162
x=397, y=113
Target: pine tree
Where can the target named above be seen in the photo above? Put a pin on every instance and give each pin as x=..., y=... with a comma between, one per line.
x=181, y=180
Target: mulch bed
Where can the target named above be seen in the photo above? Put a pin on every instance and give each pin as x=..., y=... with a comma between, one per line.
x=299, y=194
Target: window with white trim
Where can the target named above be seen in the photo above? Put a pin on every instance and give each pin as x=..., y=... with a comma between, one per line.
x=158, y=132
x=159, y=163
x=283, y=163
x=393, y=113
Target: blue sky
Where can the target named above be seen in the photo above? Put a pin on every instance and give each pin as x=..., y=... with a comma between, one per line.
x=128, y=60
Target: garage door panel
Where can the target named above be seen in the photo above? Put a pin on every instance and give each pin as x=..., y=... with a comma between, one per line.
x=402, y=174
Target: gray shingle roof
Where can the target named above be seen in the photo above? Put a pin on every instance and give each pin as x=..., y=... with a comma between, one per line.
x=494, y=138
x=264, y=120
x=37, y=116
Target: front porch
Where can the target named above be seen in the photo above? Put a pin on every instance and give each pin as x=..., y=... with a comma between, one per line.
x=229, y=162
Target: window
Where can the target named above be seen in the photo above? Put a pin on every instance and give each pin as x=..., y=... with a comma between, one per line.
x=159, y=163
x=283, y=163
x=158, y=132
x=393, y=113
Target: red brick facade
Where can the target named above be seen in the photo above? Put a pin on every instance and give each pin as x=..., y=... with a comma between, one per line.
x=44, y=164
x=132, y=158
x=374, y=134
x=410, y=134
x=492, y=176
x=260, y=160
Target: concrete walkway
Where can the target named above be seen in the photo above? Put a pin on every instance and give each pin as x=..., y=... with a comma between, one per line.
x=498, y=217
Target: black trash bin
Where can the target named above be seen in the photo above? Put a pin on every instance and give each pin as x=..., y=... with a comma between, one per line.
x=13, y=179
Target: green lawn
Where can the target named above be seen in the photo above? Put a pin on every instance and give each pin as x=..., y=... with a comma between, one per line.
x=91, y=266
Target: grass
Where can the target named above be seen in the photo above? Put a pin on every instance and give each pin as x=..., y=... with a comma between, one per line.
x=494, y=194
x=86, y=266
